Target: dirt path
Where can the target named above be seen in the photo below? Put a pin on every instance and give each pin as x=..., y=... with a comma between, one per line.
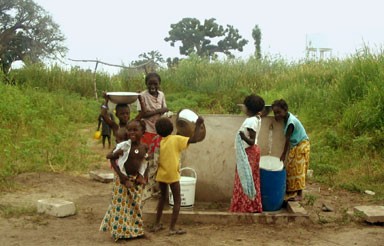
x=20, y=225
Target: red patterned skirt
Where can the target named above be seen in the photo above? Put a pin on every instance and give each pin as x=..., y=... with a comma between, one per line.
x=240, y=202
x=152, y=140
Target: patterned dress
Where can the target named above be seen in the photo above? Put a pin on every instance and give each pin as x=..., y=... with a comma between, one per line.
x=297, y=165
x=240, y=201
x=153, y=141
x=123, y=218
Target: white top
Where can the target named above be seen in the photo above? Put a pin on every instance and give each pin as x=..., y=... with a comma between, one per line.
x=253, y=123
x=126, y=147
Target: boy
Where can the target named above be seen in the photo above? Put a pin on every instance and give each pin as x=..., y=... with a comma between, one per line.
x=168, y=172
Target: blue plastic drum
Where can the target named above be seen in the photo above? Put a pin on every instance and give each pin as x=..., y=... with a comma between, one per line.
x=272, y=183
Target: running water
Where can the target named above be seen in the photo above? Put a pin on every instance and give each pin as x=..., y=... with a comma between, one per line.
x=270, y=136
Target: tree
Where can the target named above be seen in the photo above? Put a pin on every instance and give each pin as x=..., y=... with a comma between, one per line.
x=173, y=62
x=198, y=38
x=150, y=61
x=27, y=33
x=256, y=34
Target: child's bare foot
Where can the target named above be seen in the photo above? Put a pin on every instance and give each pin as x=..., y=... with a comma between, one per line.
x=141, y=180
x=156, y=228
x=176, y=232
x=295, y=199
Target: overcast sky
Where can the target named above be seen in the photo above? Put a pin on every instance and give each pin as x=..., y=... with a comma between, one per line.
x=117, y=31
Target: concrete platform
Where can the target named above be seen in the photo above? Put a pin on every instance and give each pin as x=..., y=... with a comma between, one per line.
x=216, y=213
x=102, y=176
x=371, y=214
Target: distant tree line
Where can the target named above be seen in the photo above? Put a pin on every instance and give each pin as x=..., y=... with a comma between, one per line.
x=28, y=34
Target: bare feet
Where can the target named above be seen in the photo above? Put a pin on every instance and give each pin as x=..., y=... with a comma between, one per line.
x=176, y=232
x=296, y=199
x=156, y=228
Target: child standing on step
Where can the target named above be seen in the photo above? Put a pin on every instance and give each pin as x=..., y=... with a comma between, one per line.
x=168, y=172
x=246, y=191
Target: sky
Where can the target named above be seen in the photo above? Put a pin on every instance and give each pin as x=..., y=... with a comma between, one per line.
x=118, y=31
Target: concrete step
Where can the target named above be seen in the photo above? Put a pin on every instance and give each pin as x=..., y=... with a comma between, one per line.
x=56, y=207
x=205, y=213
x=371, y=214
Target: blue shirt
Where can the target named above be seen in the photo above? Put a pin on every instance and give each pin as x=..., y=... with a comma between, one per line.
x=298, y=133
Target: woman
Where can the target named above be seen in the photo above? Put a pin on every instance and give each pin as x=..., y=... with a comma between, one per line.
x=297, y=142
x=246, y=192
x=150, y=107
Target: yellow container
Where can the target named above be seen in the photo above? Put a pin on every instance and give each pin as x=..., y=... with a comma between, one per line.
x=97, y=135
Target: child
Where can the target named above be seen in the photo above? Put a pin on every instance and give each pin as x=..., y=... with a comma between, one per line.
x=122, y=113
x=151, y=106
x=297, y=142
x=168, y=172
x=121, y=152
x=123, y=218
x=248, y=200
x=105, y=129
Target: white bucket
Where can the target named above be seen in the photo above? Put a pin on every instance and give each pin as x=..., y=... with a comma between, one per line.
x=271, y=163
x=187, y=189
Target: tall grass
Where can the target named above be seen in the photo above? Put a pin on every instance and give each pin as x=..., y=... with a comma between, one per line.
x=340, y=103
x=40, y=131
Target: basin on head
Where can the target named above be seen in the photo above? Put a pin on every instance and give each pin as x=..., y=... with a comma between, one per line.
x=122, y=97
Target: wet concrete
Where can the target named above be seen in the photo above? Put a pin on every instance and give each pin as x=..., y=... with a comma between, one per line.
x=217, y=213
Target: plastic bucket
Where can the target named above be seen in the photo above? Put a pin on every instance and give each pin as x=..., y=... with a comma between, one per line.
x=187, y=189
x=272, y=183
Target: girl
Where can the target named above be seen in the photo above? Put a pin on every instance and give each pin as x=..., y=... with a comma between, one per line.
x=151, y=106
x=168, y=173
x=248, y=200
x=121, y=153
x=297, y=142
x=123, y=218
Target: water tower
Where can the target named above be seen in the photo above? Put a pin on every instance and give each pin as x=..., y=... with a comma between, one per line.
x=316, y=47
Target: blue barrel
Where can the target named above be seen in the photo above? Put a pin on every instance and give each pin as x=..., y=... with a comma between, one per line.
x=272, y=184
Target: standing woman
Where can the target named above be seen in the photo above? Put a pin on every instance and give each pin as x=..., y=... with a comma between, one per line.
x=246, y=192
x=297, y=146
x=151, y=106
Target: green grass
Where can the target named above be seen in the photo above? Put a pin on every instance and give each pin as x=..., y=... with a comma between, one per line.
x=340, y=103
x=8, y=211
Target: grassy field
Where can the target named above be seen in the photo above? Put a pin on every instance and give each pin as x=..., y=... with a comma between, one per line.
x=340, y=103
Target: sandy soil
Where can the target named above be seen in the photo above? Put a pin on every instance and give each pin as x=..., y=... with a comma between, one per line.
x=338, y=227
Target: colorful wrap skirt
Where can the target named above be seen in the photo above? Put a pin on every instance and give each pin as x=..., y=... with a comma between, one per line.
x=297, y=164
x=123, y=218
x=240, y=201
